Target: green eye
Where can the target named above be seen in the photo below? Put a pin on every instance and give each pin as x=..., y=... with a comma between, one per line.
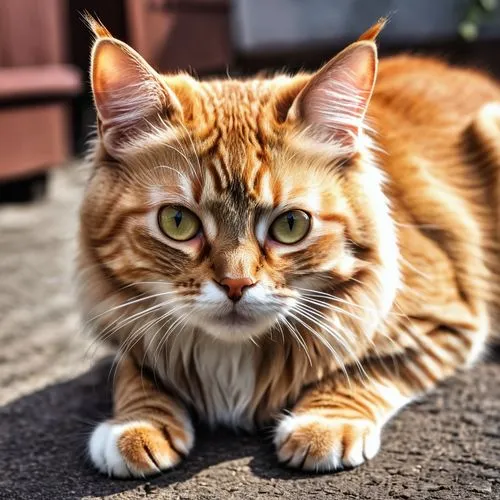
x=178, y=223
x=290, y=227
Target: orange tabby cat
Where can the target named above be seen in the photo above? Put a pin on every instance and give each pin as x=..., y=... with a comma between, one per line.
x=324, y=243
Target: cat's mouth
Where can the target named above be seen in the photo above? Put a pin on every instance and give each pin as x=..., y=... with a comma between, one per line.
x=237, y=324
x=234, y=317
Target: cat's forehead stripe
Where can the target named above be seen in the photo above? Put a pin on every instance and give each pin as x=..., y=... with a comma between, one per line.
x=238, y=141
x=213, y=172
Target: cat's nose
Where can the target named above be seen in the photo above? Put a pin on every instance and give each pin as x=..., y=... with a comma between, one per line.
x=236, y=286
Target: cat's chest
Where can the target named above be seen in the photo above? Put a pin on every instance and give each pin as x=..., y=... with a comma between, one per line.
x=218, y=379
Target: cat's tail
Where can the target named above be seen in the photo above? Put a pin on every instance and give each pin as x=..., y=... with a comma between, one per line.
x=486, y=128
x=486, y=131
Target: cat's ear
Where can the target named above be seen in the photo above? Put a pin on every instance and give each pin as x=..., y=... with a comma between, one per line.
x=332, y=105
x=128, y=92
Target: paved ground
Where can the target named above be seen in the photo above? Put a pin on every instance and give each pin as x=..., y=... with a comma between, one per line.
x=53, y=387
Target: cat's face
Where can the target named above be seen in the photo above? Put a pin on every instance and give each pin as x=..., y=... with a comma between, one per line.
x=235, y=204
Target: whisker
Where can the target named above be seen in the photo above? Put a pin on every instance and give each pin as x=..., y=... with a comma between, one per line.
x=316, y=293
x=332, y=307
x=308, y=315
x=129, y=303
x=324, y=342
x=166, y=334
x=295, y=333
x=136, y=316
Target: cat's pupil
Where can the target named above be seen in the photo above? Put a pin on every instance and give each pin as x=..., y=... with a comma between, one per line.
x=178, y=218
x=291, y=221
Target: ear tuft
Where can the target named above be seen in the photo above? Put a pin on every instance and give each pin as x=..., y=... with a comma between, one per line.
x=99, y=30
x=372, y=33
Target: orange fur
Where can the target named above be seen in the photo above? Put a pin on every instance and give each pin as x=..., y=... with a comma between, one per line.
x=390, y=292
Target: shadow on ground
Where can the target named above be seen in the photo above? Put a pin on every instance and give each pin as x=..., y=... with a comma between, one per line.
x=447, y=446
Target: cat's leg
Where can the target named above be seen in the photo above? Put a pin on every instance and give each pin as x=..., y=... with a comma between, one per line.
x=149, y=432
x=338, y=423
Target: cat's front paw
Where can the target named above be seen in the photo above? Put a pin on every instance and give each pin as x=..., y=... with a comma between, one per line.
x=317, y=443
x=137, y=448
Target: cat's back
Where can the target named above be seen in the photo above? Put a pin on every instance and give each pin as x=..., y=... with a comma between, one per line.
x=422, y=105
x=426, y=91
x=438, y=130
x=425, y=114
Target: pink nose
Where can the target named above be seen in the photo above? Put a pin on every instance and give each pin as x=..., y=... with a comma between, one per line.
x=235, y=286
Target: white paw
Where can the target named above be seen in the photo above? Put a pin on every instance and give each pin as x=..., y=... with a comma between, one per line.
x=317, y=443
x=137, y=449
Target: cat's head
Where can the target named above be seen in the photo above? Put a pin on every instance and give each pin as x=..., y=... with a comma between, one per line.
x=237, y=206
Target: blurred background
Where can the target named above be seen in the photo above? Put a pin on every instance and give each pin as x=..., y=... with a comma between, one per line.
x=45, y=104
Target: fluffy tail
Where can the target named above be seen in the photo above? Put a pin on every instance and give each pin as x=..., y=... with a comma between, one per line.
x=486, y=130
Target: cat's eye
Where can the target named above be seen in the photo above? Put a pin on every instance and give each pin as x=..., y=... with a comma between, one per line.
x=178, y=223
x=290, y=227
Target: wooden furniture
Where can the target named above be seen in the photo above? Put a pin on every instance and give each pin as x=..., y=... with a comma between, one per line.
x=181, y=34
x=35, y=86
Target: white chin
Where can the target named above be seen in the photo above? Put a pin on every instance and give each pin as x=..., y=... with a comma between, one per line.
x=237, y=330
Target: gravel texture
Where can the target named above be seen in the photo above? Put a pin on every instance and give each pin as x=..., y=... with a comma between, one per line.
x=54, y=384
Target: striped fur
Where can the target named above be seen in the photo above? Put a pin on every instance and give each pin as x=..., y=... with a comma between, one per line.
x=391, y=292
